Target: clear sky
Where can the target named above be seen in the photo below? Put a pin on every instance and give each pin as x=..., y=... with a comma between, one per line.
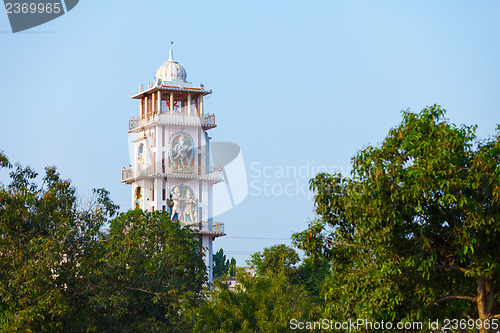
x=297, y=85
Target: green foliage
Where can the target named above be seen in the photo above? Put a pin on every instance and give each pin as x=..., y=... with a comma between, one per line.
x=223, y=266
x=232, y=268
x=4, y=161
x=312, y=273
x=219, y=262
x=264, y=303
x=47, y=247
x=61, y=273
x=415, y=225
x=259, y=304
x=273, y=259
x=151, y=271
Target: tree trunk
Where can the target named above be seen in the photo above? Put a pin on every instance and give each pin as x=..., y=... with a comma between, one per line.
x=484, y=300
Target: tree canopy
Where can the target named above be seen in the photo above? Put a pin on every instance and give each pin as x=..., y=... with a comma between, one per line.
x=223, y=266
x=413, y=232
x=274, y=259
x=151, y=271
x=48, y=247
x=264, y=303
x=60, y=270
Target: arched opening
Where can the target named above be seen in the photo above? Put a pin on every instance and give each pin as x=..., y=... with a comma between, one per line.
x=138, y=198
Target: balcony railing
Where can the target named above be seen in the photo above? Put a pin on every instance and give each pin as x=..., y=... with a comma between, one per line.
x=208, y=228
x=137, y=171
x=207, y=121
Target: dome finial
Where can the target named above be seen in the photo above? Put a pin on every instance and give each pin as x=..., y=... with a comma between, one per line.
x=171, y=54
x=171, y=71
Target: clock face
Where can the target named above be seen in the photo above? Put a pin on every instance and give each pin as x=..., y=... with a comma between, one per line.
x=181, y=152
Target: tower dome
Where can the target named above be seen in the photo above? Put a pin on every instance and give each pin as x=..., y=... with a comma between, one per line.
x=171, y=70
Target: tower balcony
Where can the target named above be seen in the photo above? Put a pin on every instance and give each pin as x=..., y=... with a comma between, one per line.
x=145, y=171
x=206, y=121
x=215, y=229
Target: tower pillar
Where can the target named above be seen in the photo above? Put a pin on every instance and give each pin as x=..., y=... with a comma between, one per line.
x=171, y=109
x=158, y=103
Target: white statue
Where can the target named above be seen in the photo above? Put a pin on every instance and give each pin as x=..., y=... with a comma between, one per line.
x=191, y=206
x=178, y=201
x=180, y=152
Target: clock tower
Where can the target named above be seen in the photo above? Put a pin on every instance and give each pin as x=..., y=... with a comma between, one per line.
x=172, y=154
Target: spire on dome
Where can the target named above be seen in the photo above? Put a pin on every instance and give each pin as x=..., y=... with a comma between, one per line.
x=171, y=71
x=171, y=54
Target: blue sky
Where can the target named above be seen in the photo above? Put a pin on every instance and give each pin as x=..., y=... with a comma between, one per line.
x=298, y=85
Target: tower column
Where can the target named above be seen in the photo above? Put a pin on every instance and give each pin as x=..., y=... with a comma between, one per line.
x=157, y=185
x=158, y=103
x=153, y=104
x=171, y=102
x=158, y=141
x=189, y=104
x=201, y=105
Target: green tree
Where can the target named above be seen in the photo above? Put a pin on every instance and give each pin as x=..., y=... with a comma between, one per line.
x=221, y=264
x=413, y=233
x=232, y=268
x=259, y=304
x=47, y=249
x=152, y=270
x=61, y=272
x=312, y=273
x=274, y=258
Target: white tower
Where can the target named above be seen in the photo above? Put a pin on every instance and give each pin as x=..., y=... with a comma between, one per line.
x=172, y=154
